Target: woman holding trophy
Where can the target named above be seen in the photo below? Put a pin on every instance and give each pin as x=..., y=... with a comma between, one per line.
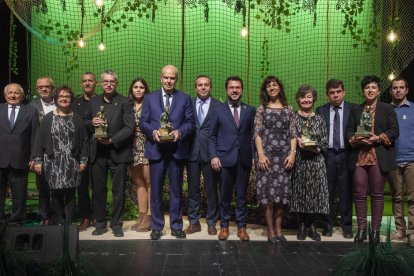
x=310, y=187
x=371, y=133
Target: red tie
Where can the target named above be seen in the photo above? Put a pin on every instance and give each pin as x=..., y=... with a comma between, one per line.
x=236, y=115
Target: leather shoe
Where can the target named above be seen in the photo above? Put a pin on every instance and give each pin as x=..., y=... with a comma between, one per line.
x=118, y=232
x=86, y=223
x=99, y=231
x=155, y=235
x=242, y=234
x=327, y=232
x=193, y=228
x=348, y=235
x=313, y=234
x=360, y=236
x=374, y=237
x=224, y=234
x=211, y=230
x=301, y=236
x=179, y=234
x=281, y=238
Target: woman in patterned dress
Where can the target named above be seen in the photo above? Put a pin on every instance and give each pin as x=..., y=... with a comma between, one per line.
x=310, y=185
x=61, y=153
x=276, y=146
x=140, y=167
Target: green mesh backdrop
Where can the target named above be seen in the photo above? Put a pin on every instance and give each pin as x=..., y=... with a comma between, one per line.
x=300, y=41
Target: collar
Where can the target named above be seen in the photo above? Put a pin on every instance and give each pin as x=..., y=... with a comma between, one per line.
x=164, y=93
x=10, y=106
x=207, y=100
x=405, y=102
x=238, y=104
x=341, y=106
x=47, y=104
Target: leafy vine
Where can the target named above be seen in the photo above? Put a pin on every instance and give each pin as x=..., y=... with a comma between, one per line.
x=13, y=49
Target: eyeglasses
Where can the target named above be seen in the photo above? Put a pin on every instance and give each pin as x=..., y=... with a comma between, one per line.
x=40, y=87
x=111, y=82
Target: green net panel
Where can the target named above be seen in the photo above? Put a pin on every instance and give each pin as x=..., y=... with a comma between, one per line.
x=300, y=41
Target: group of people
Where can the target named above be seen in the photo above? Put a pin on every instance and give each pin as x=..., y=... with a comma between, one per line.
x=302, y=159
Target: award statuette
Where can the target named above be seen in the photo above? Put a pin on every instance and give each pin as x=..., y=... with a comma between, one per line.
x=165, y=127
x=308, y=134
x=100, y=131
x=365, y=125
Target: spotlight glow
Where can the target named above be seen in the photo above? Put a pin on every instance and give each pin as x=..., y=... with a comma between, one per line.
x=99, y=3
x=392, y=36
x=244, y=32
x=391, y=76
x=101, y=46
x=81, y=43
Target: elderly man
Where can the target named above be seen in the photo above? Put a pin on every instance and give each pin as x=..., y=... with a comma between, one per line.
x=44, y=104
x=18, y=125
x=170, y=155
x=112, y=153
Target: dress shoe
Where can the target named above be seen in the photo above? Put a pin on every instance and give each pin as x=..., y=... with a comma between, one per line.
x=374, y=237
x=281, y=238
x=242, y=234
x=145, y=225
x=224, y=234
x=85, y=224
x=212, y=230
x=301, y=236
x=193, y=228
x=360, y=236
x=313, y=234
x=155, y=235
x=347, y=235
x=327, y=232
x=118, y=232
x=179, y=234
x=272, y=240
x=98, y=231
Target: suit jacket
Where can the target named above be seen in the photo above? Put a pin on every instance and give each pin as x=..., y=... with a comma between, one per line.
x=121, y=123
x=181, y=117
x=385, y=121
x=325, y=111
x=39, y=107
x=229, y=142
x=17, y=144
x=199, y=141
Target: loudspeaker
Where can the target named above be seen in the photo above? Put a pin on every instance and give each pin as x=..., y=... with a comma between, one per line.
x=42, y=244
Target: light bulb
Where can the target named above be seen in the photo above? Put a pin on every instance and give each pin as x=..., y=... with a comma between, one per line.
x=391, y=76
x=99, y=3
x=392, y=36
x=244, y=32
x=101, y=46
x=81, y=43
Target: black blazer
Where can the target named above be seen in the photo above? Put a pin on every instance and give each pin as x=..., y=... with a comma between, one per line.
x=17, y=144
x=80, y=144
x=121, y=124
x=199, y=143
x=385, y=122
x=39, y=107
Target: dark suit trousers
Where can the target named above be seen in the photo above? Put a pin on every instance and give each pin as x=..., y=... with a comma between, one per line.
x=17, y=180
x=339, y=181
x=237, y=178
x=84, y=200
x=194, y=170
x=175, y=176
x=99, y=172
x=44, y=196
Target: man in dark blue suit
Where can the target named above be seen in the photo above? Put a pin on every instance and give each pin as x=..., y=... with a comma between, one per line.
x=231, y=150
x=336, y=114
x=199, y=161
x=169, y=156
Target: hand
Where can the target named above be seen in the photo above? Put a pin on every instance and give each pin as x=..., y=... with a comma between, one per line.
x=264, y=162
x=31, y=163
x=359, y=140
x=300, y=142
x=176, y=134
x=374, y=138
x=289, y=161
x=156, y=135
x=38, y=169
x=105, y=141
x=216, y=164
x=82, y=167
x=96, y=121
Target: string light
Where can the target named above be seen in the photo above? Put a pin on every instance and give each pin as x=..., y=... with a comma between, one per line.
x=392, y=36
x=391, y=76
x=99, y=3
x=81, y=43
x=244, y=32
x=101, y=46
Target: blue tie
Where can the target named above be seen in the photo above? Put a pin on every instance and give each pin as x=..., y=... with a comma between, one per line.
x=12, y=116
x=200, y=113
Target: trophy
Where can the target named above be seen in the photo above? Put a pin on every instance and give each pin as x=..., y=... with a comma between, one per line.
x=165, y=127
x=308, y=134
x=365, y=125
x=100, y=131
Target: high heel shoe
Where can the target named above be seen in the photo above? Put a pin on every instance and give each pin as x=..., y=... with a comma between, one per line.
x=360, y=236
x=272, y=240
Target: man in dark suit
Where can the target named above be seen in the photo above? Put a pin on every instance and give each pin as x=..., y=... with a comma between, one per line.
x=44, y=104
x=165, y=156
x=199, y=160
x=18, y=125
x=110, y=154
x=231, y=149
x=80, y=106
x=336, y=114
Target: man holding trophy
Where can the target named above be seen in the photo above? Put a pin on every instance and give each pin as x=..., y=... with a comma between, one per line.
x=168, y=122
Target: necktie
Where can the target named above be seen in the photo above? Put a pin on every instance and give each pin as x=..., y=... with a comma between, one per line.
x=12, y=116
x=167, y=101
x=236, y=114
x=337, y=129
x=200, y=113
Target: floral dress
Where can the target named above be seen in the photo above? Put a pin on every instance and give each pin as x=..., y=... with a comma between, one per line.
x=139, y=142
